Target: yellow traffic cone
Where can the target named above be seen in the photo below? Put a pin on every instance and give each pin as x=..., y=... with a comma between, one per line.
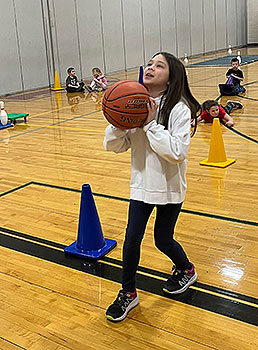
x=57, y=85
x=58, y=98
x=217, y=155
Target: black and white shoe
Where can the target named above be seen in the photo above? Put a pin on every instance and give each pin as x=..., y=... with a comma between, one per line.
x=124, y=302
x=180, y=281
x=235, y=104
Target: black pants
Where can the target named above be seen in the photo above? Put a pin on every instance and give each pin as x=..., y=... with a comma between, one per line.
x=239, y=89
x=229, y=107
x=78, y=89
x=165, y=222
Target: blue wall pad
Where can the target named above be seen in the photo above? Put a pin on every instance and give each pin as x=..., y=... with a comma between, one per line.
x=225, y=61
x=5, y=126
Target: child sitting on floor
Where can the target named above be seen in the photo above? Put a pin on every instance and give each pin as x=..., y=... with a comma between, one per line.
x=236, y=73
x=212, y=109
x=72, y=84
x=99, y=81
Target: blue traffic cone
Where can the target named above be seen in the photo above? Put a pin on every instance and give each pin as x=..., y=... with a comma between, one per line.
x=90, y=241
x=141, y=75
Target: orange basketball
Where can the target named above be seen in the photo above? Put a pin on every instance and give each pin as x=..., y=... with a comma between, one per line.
x=124, y=104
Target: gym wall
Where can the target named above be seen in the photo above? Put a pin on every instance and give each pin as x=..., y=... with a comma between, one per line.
x=39, y=37
x=252, y=20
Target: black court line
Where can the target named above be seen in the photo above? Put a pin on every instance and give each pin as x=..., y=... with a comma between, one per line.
x=248, y=98
x=55, y=245
x=244, y=309
x=12, y=343
x=15, y=189
x=187, y=211
x=119, y=263
x=121, y=199
x=241, y=134
x=249, y=138
x=251, y=83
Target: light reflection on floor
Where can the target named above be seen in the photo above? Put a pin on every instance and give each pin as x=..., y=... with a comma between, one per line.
x=232, y=271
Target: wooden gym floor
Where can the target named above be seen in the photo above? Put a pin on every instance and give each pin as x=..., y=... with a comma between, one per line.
x=56, y=302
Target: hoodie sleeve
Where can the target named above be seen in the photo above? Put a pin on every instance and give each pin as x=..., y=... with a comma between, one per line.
x=171, y=144
x=116, y=140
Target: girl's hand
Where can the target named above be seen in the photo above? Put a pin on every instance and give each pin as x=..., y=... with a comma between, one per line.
x=152, y=110
x=192, y=122
x=229, y=123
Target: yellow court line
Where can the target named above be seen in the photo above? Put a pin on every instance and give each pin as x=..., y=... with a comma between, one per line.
x=225, y=296
x=150, y=275
x=200, y=289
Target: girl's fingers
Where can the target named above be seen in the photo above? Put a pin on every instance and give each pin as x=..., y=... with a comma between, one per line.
x=153, y=104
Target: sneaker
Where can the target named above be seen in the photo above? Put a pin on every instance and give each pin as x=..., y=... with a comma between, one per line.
x=238, y=105
x=89, y=88
x=180, y=281
x=235, y=104
x=124, y=302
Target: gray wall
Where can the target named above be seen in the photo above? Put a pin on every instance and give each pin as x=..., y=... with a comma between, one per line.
x=252, y=20
x=39, y=37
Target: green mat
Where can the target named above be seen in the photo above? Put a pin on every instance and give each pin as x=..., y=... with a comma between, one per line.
x=13, y=116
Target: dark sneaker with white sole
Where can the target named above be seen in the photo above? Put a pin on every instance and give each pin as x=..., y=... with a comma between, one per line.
x=124, y=302
x=180, y=281
x=235, y=104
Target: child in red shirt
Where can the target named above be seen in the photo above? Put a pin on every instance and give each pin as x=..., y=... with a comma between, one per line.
x=212, y=109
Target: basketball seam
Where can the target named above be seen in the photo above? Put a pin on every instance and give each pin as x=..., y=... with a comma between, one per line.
x=114, y=87
x=131, y=94
x=124, y=127
x=121, y=112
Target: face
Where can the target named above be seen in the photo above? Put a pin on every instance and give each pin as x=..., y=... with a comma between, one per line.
x=72, y=73
x=156, y=73
x=235, y=65
x=95, y=73
x=214, y=111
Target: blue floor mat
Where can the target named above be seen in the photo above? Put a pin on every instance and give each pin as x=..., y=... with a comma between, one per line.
x=5, y=126
x=225, y=61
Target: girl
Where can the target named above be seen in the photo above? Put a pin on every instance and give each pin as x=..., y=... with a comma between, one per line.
x=99, y=81
x=211, y=109
x=158, y=176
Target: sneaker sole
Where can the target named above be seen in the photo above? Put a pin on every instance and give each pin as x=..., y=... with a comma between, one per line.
x=130, y=307
x=191, y=281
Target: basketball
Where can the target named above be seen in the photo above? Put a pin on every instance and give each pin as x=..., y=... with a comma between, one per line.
x=124, y=104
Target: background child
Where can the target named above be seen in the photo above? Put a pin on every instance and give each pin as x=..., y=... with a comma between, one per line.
x=158, y=176
x=72, y=84
x=237, y=76
x=211, y=109
x=99, y=82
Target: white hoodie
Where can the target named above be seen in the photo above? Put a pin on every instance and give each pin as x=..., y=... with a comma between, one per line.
x=158, y=156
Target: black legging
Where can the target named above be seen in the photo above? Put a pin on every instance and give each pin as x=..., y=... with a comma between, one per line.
x=166, y=217
x=76, y=89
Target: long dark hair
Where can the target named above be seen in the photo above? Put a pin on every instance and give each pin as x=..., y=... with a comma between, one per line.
x=177, y=89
